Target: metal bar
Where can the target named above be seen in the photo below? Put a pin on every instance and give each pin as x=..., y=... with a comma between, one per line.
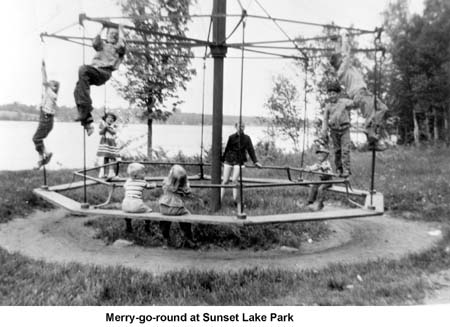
x=98, y=180
x=241, y=213
x=142, y=30
x=312, y=24
x=305, y=183
x=45, y=175
x=269, y=53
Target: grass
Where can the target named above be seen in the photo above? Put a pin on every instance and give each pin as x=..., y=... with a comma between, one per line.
x=415, y=183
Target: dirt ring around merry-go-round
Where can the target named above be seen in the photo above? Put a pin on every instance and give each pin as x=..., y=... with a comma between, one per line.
x=58, y=237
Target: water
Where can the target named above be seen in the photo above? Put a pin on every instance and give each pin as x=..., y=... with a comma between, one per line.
x=66, y=142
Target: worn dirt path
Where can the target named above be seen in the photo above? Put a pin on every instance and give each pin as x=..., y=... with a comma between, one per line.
x=56, y=236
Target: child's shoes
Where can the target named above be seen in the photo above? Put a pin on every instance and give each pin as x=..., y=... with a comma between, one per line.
x=89, y=129
x=101, y=173
x=38, y=165
x=379, y=146
x=111, y=174
x=47, y=158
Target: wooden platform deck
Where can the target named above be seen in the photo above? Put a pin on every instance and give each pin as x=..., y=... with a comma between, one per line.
x=75, y=207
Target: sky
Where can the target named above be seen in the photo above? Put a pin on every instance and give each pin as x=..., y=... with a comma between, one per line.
x=22, y=21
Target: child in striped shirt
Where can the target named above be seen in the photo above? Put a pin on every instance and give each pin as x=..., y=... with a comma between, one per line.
x=134, y=186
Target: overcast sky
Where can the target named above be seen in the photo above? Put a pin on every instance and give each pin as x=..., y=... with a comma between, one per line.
x=23, y=20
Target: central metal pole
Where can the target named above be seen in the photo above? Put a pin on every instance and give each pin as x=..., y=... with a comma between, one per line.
x=218, y=52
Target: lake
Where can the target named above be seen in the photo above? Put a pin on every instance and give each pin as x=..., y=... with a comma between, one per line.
x=66, y=142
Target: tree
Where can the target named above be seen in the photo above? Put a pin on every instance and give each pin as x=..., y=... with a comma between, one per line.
x=156, y=66
x=284, y=110
x=419, y=75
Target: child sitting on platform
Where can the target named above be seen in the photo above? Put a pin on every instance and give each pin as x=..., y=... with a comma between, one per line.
x=108, y=147
x=47, y=110
x=316, y=194
x=134, y=186
x=175, y=187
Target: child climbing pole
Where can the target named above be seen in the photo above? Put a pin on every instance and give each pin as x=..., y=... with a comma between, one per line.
x=109, y=54
x=47, y=110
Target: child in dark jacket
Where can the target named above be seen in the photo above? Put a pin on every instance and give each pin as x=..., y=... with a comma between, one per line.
x=235, y=157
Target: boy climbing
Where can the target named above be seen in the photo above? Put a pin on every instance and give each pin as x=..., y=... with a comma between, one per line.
x=109, y=54
x=355, y=86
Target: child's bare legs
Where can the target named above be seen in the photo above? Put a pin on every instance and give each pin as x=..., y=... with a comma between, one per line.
x=321, y=195
x=235, y=179
x=225, y=179
x=234, y=172
x=312, y=194
x=101, y=173
x=186, y=228
x=112, y=170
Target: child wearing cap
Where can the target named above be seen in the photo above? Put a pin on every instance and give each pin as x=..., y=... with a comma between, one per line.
x=47, y=110
x=108, y=147
x=356, y=88
x=134, y=187
x=336, y=117
x=175, y=187
x=316, y=193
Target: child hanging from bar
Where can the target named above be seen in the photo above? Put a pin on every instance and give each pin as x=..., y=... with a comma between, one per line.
x=47, y=110
x=355, y=86
x=109, y=54
x=134, y=187
x=316, y=195
x=336, y=117
x=108, y=147
x=175, y=188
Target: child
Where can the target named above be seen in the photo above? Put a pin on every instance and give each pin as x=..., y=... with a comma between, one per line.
x=47, y=112
x=109, y=55
x=234, y=157
x=317, y=191
x=108, y=147
x=134, y=186
x=175, y=187
x=337, y=117
x=354, y=84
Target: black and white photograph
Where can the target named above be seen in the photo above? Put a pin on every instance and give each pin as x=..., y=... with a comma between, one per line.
x=224, y=154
